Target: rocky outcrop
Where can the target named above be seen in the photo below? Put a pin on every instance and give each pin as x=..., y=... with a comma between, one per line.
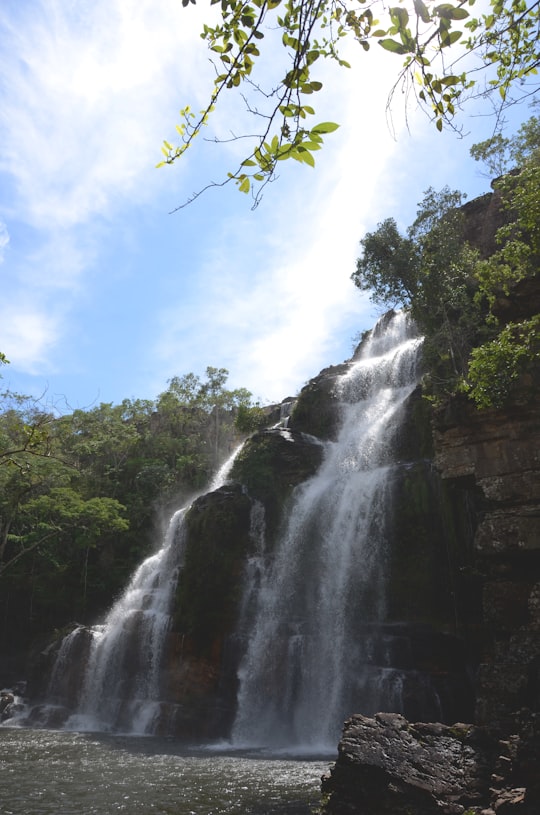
x=483, y=216
x=497, y=453
x=388, y=766
x=315, y=411
x=272, y=463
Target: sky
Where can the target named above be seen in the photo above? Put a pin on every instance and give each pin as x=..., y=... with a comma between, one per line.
x=106, y=295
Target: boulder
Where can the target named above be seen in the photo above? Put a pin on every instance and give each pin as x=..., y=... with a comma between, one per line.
x=389, y=766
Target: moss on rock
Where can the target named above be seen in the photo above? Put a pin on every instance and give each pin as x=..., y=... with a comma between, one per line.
x=272, y=463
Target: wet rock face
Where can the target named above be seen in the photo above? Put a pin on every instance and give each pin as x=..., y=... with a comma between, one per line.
x=272, y=463
x=217, y=540
x=388, y=766
x=65, y=683
x=498, y=452
x=316, y=410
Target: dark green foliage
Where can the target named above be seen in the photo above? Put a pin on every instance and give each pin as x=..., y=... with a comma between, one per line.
x=497, y=366
x=388, y=266
x=250, y=419
x=430, y=272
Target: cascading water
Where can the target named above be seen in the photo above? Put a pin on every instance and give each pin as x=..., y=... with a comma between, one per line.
x=120, y=686
x=306, y=669
x=121, y=683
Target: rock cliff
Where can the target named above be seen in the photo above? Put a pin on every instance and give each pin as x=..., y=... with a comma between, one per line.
x=497, y=452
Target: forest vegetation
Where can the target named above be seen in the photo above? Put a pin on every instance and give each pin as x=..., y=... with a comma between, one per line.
x=82, y=494
x=453, y=290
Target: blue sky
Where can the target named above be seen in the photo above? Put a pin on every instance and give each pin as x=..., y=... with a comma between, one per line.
x=104, y=294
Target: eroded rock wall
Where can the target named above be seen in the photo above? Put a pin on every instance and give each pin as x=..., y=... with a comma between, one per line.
x=497, y=453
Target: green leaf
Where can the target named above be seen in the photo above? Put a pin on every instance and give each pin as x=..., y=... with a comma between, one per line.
x=450, y=80
x=422, y=11
x=244, y=185
x=400, y=15
x=303, y=156
x=395, y=47
x=325, y=127
x=450, y=12
x=450, y=37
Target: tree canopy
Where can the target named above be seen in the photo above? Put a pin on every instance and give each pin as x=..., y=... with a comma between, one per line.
x=269, y=51
x=454, y=292
x=80, y=494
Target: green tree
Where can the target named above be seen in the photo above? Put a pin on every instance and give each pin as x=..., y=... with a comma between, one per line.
x=203, y=409
x=498, y=366
x=502, y=46
x=501, y=154
x=71, y=526
x=430, y=272
x=29, y=465
x=389, y=266
x=452, y=293
x=80, y=493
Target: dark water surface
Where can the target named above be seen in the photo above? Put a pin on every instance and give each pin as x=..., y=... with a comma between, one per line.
x=44, y=772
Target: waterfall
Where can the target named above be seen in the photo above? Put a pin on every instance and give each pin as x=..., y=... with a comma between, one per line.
x=305, y=668
x=120, y=685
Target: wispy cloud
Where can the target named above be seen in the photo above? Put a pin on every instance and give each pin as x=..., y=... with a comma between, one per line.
x=280, y=298
x=89, y=91
x=4, y=240
x=87, y=95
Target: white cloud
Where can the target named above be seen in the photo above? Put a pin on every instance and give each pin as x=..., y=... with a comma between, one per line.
x=89, y=96
x=28, y=334
x=278, y=298
x=89, y=93
x=91, y=90
x=4, y=240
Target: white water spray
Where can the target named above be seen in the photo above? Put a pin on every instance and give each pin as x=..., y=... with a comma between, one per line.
x=305, y=666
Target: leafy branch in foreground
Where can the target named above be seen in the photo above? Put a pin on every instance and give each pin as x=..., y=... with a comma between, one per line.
x=448, y=56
